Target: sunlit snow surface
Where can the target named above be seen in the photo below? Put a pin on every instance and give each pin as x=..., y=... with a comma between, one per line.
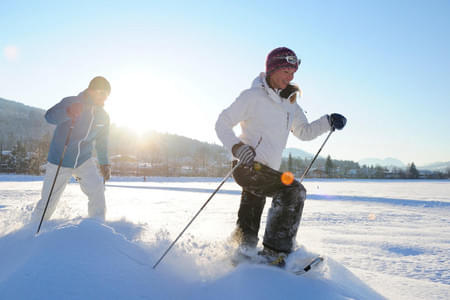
x=389, y=236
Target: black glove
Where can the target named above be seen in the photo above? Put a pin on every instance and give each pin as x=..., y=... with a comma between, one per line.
x=337, y=121
x=245, y=153
x=290, y=91
x=106, y=171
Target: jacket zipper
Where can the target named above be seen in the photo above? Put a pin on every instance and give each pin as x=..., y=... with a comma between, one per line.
x=83, y=139
x=287, y=121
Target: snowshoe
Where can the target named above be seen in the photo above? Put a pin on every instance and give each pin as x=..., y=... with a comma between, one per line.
x=273, y=258
x=312, y=263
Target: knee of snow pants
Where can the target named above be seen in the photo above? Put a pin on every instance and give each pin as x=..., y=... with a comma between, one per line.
x=91, y=184
x=284, y=218
x=249, y=219
x=287, y=205
x=97, y=203
x=60, y=184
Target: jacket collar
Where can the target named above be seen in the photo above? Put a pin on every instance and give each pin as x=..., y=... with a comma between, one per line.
x=85, y=98
x=260, y=82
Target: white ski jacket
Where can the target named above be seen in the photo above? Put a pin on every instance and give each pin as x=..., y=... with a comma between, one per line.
x=262, y=113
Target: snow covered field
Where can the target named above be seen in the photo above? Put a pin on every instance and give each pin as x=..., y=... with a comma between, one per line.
x=380, y=239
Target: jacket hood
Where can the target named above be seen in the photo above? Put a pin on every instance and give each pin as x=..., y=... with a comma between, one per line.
x=260, y=82
x=84, y=96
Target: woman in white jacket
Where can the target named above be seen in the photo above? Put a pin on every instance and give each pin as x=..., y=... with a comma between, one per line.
x=267, y=112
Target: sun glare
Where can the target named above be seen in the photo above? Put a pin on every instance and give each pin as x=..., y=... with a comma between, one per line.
x=138, y=102
x=161, y=101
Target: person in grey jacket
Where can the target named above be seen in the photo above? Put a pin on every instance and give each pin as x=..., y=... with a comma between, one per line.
x=90, y=128
x=267, y=113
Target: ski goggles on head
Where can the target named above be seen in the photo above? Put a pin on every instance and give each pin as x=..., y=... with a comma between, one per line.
x=291, y=59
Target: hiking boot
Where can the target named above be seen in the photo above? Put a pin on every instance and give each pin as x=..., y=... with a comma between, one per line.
x=273, y=258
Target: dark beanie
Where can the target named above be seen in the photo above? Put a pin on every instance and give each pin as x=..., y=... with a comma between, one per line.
x=100, y=83
x=277, y=60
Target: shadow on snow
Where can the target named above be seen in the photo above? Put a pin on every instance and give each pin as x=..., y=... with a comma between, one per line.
x=393, y=201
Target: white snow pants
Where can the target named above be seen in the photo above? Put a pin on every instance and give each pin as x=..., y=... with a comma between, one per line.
x=91, y=184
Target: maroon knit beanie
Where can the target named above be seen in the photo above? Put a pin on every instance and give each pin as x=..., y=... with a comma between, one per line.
x=281, y=58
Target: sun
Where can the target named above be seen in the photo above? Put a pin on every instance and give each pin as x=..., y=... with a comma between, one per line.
x=162, y=100
x=137, y=103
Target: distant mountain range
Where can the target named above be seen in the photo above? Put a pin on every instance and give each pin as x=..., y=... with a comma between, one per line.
x=394, y=162
x=388, y=162
x=21, y=122
x=437, y=166
x=297, y=153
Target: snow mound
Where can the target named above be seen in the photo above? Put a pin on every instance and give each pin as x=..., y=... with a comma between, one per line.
x=85, y=259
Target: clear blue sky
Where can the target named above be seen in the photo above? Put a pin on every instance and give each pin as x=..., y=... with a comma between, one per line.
x=175, y=66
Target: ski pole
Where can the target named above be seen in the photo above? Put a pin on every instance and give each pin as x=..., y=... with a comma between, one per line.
x=195, y=216
x=201, y=208
x=317, y=154
x=57, y=172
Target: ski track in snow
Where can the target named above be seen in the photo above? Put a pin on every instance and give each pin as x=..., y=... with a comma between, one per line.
x=393, y=235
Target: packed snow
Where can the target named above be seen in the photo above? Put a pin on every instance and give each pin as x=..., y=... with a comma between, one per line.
x=380, y=239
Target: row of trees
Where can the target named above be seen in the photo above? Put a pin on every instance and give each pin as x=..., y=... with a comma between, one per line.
x=162, y=154
x=329, y=168
x=152, y=154
x=156, y=154
x=25, y=157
